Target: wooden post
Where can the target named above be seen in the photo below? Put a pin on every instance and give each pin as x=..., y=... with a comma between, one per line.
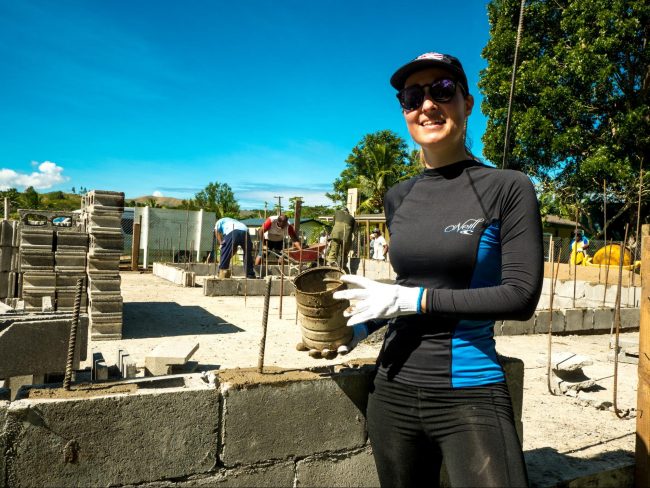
x=135, y=245
x=642, y=468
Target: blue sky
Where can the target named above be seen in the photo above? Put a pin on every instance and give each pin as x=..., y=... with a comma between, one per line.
x=160, y=97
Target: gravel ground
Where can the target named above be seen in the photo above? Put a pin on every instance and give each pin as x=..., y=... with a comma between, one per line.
x=565, y=437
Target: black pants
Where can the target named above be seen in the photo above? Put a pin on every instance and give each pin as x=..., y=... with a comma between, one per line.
x=413, y=429
x=229, y=245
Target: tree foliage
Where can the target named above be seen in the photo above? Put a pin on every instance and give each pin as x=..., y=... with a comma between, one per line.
x=580, y=113
x=376, y=163
x=219, y=198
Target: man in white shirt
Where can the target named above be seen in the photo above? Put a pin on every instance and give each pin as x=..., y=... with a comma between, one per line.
x=379, y=246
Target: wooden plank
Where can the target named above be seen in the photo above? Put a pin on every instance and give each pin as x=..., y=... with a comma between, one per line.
x=642, y=468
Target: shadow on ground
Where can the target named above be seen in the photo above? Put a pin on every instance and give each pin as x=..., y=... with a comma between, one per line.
x=550, y=468
x=164, y=319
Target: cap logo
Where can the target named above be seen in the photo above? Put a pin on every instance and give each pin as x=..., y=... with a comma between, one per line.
x=435, y=56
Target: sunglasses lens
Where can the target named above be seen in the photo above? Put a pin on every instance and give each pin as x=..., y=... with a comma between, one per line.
x=411, y=97
x=443, y=90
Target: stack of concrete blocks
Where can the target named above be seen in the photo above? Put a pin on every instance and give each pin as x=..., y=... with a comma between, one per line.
x=8, y=259
x=37, y=267
x=102, y=215
x=70, y=266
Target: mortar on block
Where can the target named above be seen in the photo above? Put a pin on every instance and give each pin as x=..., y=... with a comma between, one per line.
x=322, y=324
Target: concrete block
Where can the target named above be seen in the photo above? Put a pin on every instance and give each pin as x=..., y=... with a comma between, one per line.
x=98, y=368
x=68, y=281
x=514, y=371
x=542, y=319
x=6, y=258
x=498, y=328
x=174, y=274
x=36, y=260
x=100, y=241
x=213, y=287
x=104, y=284
x=115, y=440
x=69, y=262
x=517, y=327
x=37, y=238
x=70, y=241
x=40, y=345
x=157, y=362
x=103, y=264
x=39, y=279
x=105, y=304
x=603, y=318
x=574, y=319
x=103, y=198
x=630, y=318
x=104, y=223
x=355, y=469
x=291, y=415
x=126, y=364
x=6, y=234
x=65, y=301
x=33, y=298
x=47, y=304
x=588, y=319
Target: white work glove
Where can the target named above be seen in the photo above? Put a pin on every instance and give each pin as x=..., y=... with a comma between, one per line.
x=378, y=300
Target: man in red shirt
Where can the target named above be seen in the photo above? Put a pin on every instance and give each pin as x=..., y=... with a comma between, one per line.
x=273, y=232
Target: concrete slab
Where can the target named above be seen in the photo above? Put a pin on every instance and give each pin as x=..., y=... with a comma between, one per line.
x=213, y=287
x=138, y=438
x=159, y=361
x=40, y=346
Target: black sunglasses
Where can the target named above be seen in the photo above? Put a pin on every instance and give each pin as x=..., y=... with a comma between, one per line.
x=441, y=91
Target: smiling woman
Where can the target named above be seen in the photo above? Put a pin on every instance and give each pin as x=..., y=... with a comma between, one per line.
x=466, y=246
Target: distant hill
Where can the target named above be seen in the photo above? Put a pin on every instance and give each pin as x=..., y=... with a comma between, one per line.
x=168, y=202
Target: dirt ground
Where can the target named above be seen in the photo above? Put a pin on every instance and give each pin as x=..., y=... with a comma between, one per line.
x=564, y=437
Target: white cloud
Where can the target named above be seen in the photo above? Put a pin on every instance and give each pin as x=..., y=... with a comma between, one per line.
x=48, y=175
x=157, y=193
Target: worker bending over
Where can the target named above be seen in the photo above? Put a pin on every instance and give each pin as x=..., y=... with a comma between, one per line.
x=273, y=232
x=232, y=234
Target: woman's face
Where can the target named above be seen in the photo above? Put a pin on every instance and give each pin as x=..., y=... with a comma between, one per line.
x=437, y=125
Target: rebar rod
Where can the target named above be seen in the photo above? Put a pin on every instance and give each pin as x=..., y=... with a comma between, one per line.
x=281, y=277
x=550, y=323
x=72, y=341
x=637, y=240
x=265, y=320
x=575, y=257
x=520, y=28
x=608, y=255
x=617, y=322
x=246, y=259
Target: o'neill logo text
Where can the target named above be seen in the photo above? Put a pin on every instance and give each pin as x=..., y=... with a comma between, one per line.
x=466, y=227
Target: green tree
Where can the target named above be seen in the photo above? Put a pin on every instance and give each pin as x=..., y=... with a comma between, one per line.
x=580, y=112
x=219, y=198
x=376, y=163
x=30, y=199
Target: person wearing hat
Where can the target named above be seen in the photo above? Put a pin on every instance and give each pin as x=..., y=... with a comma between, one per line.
x=466, y=244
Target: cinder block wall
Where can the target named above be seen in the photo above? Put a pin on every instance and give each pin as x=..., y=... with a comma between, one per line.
x=239, y=428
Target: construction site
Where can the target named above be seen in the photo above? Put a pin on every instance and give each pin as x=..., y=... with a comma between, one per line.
x=158, y=372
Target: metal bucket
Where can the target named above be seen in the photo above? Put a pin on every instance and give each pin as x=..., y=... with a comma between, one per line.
x=322, y=323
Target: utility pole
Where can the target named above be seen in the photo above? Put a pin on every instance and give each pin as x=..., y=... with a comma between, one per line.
x=266, y=206
x=296, y=214
x=279, y=205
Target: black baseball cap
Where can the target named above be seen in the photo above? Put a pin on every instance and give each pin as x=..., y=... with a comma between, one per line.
x=430, y=60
